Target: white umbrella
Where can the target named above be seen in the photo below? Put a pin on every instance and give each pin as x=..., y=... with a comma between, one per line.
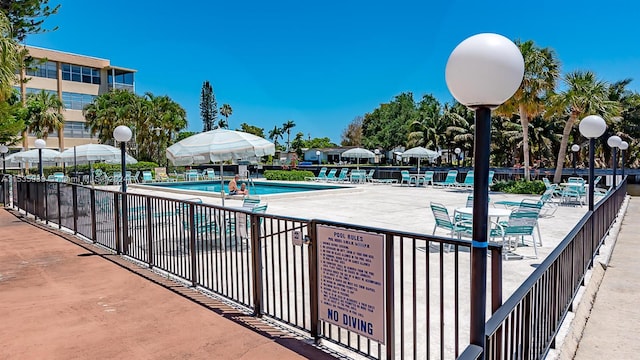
x=32, y=156
x=420, y=153
x=217, y=146
x=93, y=152
x=358, y=153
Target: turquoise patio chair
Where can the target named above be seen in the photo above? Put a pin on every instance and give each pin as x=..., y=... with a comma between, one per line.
x=331, y=176
x=450, y=180
x=522, y=222
x=468, y=181
x=322, y=175
x=428, y=178
x=444, y=221
x=342, y=176
x=405, y=178
x=369, y=176
x=147, y=177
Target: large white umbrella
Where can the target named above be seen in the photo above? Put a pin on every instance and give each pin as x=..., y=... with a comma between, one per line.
x=421, y=153
x=32, y=156
x=94, y=152
x=217, y=146
x=358, y=153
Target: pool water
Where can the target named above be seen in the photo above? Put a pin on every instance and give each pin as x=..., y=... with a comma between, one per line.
x=257, y=188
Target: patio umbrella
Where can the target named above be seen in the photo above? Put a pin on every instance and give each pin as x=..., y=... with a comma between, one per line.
x=217, y=146
x=358, y=153
x=420, y=153
x=32, y=156
x=93, y=152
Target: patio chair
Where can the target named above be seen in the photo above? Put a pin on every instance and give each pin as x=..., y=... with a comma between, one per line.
x=191, y=175
x=147, y=177
x=405, y=178
x=342, y=176
x=250, y=201
x=117, y=177
x=240, y=225
x=444, y=221
x=161, y=174
x=450, y=180
x=548, y=206
x=369, y=176
x=428, y=178
x=522, y=222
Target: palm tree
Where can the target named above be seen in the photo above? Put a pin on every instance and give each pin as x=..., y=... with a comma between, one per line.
x=226, y=111
x=108, y=111
x=275, y=134
x=9, y=57
x=584, y=95
x=43, y=114
x=541, y=71
x=286, y=127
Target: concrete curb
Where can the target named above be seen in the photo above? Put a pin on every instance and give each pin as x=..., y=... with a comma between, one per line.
x=573, y=326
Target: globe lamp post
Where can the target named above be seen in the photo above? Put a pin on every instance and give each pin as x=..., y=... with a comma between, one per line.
x=592, y=127
x=40, y=144
x=457, y=151
x=482, y=72
x=122, y=134
x=575, y=148
x=623, y=147
x=614, y=142
x=4, y=150
x=318, y=156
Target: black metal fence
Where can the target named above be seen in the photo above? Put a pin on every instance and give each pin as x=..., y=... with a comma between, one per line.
x=249, y=258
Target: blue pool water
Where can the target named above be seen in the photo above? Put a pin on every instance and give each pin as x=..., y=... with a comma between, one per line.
x=258, y=188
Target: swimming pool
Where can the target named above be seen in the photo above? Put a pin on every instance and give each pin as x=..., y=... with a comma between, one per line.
x=256, y=188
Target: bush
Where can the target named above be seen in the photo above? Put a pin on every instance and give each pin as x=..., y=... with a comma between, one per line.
x=107, y=168
x=520, y=187
x=293, y=175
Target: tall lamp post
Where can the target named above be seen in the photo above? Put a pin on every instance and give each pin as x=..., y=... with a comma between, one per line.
x=4, y=150
x=614, y=142
x=318, y=156
x=122, y=134
x=623, y=147
x=457, y=151
x=592, y=127
x=40, y=144
x=482, y=72
x=575, y=148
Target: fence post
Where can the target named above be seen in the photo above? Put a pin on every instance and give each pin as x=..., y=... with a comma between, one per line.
x=59, y=198
x=496, y=300
x=116, y=211
x=149, y=233
x=74, y=194
x=313, y=280
x=94, y=230
x=389, y=262
x=192, y=243
x=126, y=242
x=256, y=257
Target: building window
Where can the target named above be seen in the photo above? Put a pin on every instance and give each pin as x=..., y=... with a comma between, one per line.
x=36, y=91
x=46, y=69
x=75, y=129
x=80, y=74
x=75, y=101
x=121, y=80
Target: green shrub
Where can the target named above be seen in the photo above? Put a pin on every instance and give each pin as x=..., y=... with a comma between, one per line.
x=293, y=175
x=519, y=187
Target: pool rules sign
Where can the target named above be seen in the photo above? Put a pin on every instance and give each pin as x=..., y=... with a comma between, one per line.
x=351, y=277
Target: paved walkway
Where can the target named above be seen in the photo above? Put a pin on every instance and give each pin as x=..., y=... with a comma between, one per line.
x=611, y=331
x=61, y=298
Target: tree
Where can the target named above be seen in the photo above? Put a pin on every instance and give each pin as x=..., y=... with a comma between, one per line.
x=320, y=143
x=11, y=120
x=27, y=16
x=165, y=118
x=352, y=135
x=286, y=128
x=43, y=114
x=208, y=107
x=429, y=129
x=299, y=143
x=183, y=135
x=275, y=134
x=541, y=71
x=388, y=125
x=226, y=111
x=9, y=58
x=252, y=130
x=109, y=110
x=584, y=95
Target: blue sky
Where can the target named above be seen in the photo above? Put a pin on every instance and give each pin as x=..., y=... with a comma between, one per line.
x=321, y=64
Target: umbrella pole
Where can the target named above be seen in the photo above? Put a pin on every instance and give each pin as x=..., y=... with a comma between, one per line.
x=222, y=182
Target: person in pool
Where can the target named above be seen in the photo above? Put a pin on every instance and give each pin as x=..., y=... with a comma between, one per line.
x=233, y=187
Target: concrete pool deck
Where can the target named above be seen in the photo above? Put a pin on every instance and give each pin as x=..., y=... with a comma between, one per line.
x=404, y=208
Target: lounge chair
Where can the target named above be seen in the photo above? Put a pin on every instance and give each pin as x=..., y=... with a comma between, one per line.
x=210, y=174
x=468, y=181
x=331, y=176
x=342, y=177
x=450, y=180
x=161, y=174
x=322, y=175
x=147, y=177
